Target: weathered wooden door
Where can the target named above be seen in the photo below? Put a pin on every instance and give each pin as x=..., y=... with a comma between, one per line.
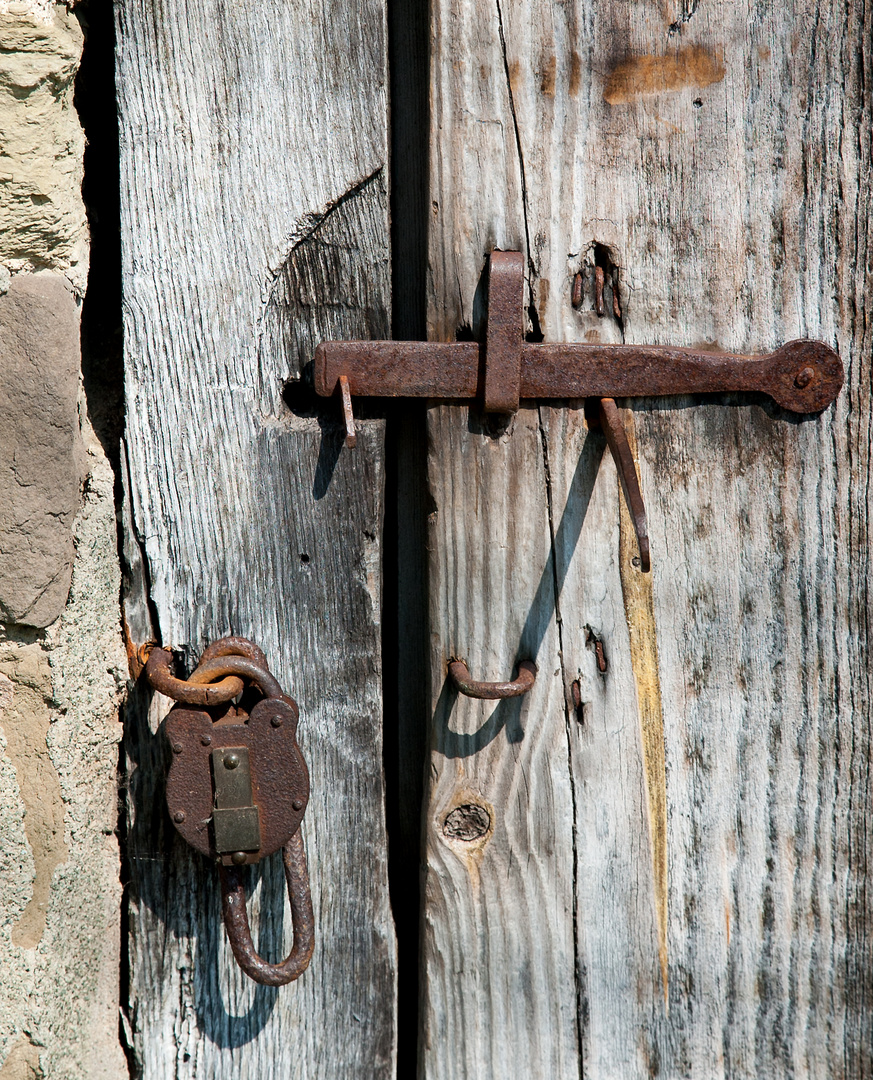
x=669, y=877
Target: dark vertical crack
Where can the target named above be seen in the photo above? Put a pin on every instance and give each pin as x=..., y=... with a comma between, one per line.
x=533, y=273
x=568, y=729
x=405, y=637
x=102, y=362
x=94, y=99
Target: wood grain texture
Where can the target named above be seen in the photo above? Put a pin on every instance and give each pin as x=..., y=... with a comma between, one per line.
x=711, y=159
x=254, y=217
x=499, y=819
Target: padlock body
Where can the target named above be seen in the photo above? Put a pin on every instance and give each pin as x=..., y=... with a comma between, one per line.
x=237, y=781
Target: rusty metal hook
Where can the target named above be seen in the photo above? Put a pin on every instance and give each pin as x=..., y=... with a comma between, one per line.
x=459, y=673
x=610, y=422
x=236, y=919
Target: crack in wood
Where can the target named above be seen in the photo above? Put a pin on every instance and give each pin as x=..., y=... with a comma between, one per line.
x=568, y=713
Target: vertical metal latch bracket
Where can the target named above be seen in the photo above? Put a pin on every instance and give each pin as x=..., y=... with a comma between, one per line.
x=235, y=819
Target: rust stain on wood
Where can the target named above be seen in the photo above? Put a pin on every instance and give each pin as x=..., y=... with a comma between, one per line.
x=639, y=609
x=647, y=75
x=547, y=80
x=575, y=73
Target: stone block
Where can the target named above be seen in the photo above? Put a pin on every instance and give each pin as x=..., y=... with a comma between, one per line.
x=41, y=454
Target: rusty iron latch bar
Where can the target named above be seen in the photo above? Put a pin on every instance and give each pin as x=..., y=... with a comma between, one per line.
x=802, y=377
x=238, y=786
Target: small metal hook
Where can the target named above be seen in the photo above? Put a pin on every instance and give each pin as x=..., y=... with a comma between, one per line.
x=348, y=414
x=459, y=673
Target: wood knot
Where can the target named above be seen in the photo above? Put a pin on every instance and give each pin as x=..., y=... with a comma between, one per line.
x=467, y=823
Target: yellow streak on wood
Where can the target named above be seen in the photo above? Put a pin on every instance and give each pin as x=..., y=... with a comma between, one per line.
x=639, y=609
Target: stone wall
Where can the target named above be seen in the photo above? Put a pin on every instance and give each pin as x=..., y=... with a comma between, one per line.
x=62, y=660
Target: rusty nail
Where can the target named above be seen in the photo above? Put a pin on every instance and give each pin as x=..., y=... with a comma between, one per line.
x=594, y=642
x=179, y=817
x=238, y=858
x=578, y=282
x=804, y=377
x=348, y=415
x=277, y=720
x=598, y=290
x=616, y=304
x=297, y=804
x=206, y=740
x=177, y=748
x=231, y=761
x=576, y=693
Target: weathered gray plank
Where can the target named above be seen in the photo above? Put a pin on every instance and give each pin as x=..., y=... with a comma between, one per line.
x=253, y=147
x=712, y=159
x=498, y=896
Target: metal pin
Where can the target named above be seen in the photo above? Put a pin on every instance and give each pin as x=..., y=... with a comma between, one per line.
x=576, y=298
x=598, y=290
x=616, y=304
x=348, y=415
x=594, y=642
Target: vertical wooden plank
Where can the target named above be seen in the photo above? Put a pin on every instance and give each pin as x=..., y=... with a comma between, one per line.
x=254, y=216
x=499, y=997
x=498, y=952
x=711, y=159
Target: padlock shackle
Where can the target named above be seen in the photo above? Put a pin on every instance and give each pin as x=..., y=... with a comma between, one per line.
x=236, y=919
x=222, y=666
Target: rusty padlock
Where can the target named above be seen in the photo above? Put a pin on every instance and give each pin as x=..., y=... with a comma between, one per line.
x=238, y=785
